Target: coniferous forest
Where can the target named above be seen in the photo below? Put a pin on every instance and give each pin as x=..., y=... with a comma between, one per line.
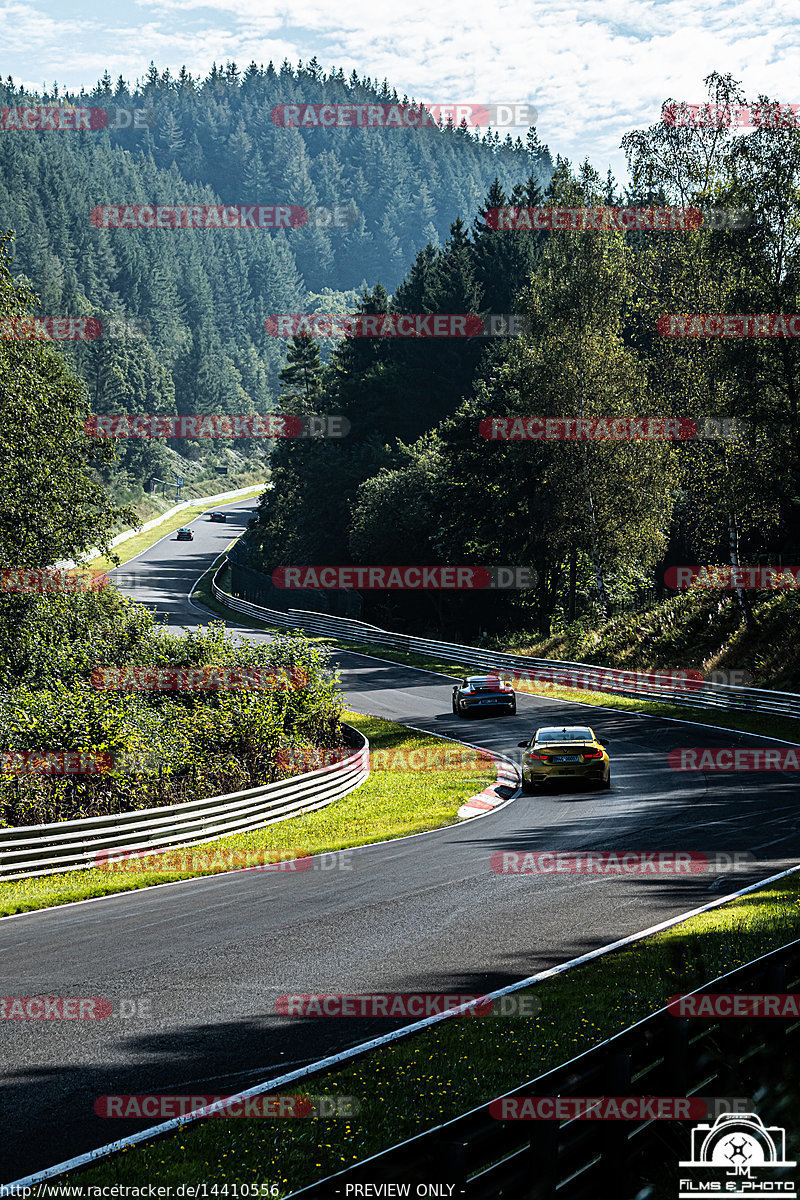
x=414, y=481
x=201, y=298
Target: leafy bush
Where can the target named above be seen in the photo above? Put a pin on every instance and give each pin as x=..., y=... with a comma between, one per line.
x=165, y=747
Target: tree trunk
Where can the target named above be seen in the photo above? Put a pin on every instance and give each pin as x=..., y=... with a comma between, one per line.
x=573, y=562
x=741, y=596
x=596, y=557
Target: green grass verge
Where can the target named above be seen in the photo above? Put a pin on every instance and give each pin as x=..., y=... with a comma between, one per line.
x=202, y=594
x=434, y=1075
x=390, y=804
x=143, y=541
x=769, y=726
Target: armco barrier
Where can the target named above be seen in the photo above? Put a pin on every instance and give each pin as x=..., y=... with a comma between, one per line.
x=31, y=850
x=774, y=964
x=645, y=686
x=200, y=503
x=481, y=1157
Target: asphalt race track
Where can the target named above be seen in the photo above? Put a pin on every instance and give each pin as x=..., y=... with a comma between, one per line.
x=422, y=914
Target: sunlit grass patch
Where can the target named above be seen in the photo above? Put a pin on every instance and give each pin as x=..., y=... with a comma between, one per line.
x=442, y=1071
x=392, y=803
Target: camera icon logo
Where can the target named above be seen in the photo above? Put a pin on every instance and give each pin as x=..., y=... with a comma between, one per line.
x=738, y=1141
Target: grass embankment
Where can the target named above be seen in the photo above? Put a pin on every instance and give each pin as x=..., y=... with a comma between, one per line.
x=769, y=726
x=390, y=804
x=461, y=1063
x=701, y=630
x=148, y=505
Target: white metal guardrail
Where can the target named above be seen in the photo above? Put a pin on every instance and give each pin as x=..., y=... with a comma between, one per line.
x=200, y=503
x=664, y=688
x=32, y=850
x=345, y=1056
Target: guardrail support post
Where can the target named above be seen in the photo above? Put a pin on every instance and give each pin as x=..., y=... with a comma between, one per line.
x=614, y=1156
x=453, y=1159
x=542, y=1156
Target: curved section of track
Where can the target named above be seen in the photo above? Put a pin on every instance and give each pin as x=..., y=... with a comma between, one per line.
x=425, y=913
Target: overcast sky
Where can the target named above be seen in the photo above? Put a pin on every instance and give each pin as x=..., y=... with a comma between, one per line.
x=593, y=70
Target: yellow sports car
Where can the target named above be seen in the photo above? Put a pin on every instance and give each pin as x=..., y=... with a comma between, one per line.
x=571, y=752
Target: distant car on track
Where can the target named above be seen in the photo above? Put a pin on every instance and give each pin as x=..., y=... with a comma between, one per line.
x=571, y=752
x=218, y=516
x=185, y=534
x=483, y=693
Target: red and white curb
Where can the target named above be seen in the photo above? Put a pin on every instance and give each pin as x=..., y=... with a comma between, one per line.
x=507, y=774
x=489, y=798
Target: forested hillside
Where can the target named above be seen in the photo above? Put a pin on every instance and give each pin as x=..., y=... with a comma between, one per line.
x=201, y=297
x=415, y=480
x=598, y=520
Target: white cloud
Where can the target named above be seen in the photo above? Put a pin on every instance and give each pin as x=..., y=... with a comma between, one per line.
x=592, y=71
